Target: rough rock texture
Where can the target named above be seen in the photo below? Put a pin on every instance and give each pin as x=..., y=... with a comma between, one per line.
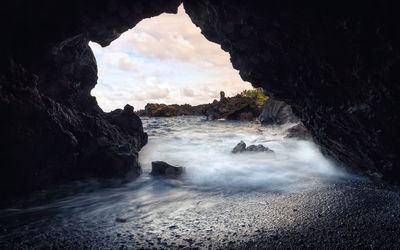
x=158, y=110
x=45, y=142
x=187, y=109
x=241, y=147
x=335, y=63
x=52, y=129
x=232, y=108
x=276, y=112
x=229, y=108
x=164, y=110
x=161, y=168
x=298, y=131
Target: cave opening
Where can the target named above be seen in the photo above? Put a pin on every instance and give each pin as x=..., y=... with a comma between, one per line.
x=163, y=64
x=336, y=63
x=163, y=59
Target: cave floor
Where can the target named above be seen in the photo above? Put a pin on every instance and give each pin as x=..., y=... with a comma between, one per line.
x=343, y=214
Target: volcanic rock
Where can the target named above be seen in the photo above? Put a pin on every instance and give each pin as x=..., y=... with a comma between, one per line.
x=298, y=131
x=160, y=168
x=158, y=110
x=336, y=63
x=276, y=112
x=233, y=108
x=227, y=108
x=241, y=147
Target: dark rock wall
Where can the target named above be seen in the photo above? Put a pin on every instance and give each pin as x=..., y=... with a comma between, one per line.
x=29, y=27
x=46, y=142
x=276, y=112
x=335, y=62
x=52, y=129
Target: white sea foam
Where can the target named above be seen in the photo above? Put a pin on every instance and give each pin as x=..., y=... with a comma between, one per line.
x=204, y=149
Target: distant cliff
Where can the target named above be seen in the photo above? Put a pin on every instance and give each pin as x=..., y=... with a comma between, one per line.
x=164, y=110
x=230, y=108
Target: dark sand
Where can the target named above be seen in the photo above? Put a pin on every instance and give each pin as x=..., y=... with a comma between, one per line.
x=343, y=215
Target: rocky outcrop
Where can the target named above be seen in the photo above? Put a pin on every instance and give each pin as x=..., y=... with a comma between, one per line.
x=276, y=112
x=164, y=110
x=161, y=168
x=187, y=109
x=233, y=108
x=45, y=142
x=241, y=147
x=228, y=108
x=158, y=110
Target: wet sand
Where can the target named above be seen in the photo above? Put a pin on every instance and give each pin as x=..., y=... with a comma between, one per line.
x=345, y=214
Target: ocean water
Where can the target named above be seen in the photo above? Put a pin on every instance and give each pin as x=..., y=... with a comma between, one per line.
x=204, y=149
x=222, y=198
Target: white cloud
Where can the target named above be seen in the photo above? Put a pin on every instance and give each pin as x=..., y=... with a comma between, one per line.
x=122, y=61
x=155, y=92
x=163, y=59
x=186, y=92
x=172, y=37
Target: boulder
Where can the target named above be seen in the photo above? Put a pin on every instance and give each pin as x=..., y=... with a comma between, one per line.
x=258, y=148
x=241, y=147
x=161, y=168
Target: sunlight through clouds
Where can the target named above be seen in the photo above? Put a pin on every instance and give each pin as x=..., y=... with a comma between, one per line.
x=164, y=59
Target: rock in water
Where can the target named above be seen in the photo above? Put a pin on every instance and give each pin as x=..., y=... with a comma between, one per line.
x=161, y=168
x=241, y=147
x=258, y=148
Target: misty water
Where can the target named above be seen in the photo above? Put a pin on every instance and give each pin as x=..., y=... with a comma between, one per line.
x=204, y=149
x=221, y=197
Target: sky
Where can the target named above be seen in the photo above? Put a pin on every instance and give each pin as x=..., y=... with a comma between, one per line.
x=164, y=59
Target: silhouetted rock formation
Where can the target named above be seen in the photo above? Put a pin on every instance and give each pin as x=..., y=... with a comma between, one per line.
x=158, y=110
x=187, y=109
x=276, y=112
x=335, y=63
x=229, y=108
x=232, y=108
x=46, y=142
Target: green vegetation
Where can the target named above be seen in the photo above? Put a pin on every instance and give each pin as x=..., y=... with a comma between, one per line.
x=255, y=93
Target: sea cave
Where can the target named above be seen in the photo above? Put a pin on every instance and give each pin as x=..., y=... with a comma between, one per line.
x=83, y=166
